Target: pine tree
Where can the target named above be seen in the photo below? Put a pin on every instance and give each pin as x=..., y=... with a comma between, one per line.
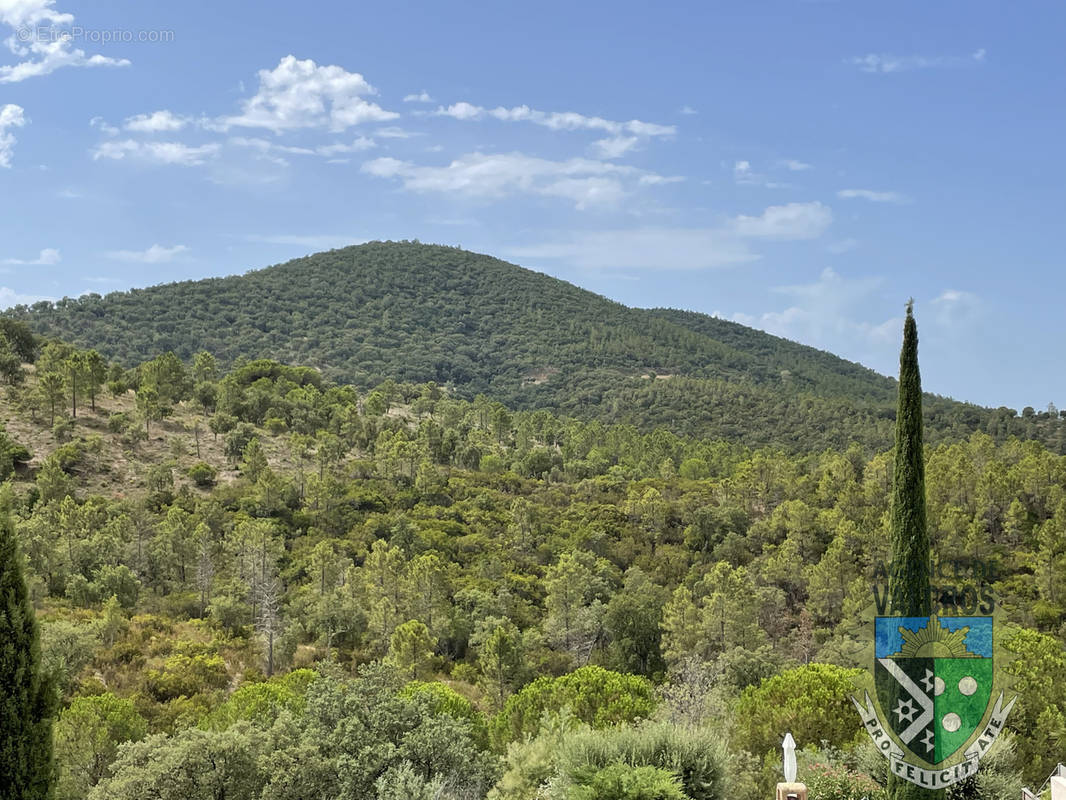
x=26, y=696
x=908, y=585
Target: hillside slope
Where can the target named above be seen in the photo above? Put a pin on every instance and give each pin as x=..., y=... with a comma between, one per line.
x=414, y=312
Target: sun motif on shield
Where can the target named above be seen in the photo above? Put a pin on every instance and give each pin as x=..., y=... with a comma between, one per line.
x=934, y=641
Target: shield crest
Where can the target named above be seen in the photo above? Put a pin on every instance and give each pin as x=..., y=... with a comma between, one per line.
x=933, y=676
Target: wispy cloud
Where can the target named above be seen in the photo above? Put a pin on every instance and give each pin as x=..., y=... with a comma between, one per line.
x=825, y=313
x=44, y=38
x=167, y=153
x=156, y=122
x=794, y=165
x=725, y=245
x=394, y=132
x=104, y=126
x=614, y=147
x=156, y=254
x=643, y=248
x=791, y=221
x=277, y=152
x=745, y=175
x=9, y=297
x=47, y=256
x=688, y=110
x=585, y=182
x=885, y=63
x=421, y=97
x=556, y=120
x=957, y=310
x=873, y=196
x=11, y=116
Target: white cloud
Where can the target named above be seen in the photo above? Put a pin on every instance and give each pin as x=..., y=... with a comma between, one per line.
x=355, y=146
x=11, y=116
x=393, y=132
x=44, y=38
x=745, y=175
x=793, y=165
x=873, y=196
x=170, y=153
x=556, y=120
x=103, y=126
x=421, y=97
x=301, y=94
x=647, y=248
x=688, y=110
x=461, y=110
x=790, y=221
x=267, y=147
x=615, y=147
x=9, y=297
x=885, y=63
x=584, y=181
x=47, y=256
x=156, y=254
x=156, y=122
x=742, y=171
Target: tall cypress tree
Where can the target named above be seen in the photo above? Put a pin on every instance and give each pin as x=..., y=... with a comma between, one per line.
x=908, y=585
x=26, y=695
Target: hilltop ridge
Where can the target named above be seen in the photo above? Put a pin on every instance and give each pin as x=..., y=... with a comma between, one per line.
x=414, y=312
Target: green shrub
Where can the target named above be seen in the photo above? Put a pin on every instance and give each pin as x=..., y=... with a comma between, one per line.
x=19, y=453
x=275, y=425
x=441, y=699
x=120, y=422
x=812, y=701
x=694, y=755
x=262, y=703
x=623, y=782
x=63, y=429
x=203, y=474
x=69, y=455
x=595, y=696
x=185, y=676
x=118, y=581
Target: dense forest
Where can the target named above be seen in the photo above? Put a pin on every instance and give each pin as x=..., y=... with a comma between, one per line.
x=253, y=581
x=477, y=325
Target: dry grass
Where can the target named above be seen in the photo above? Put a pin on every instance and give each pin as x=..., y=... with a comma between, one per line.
x=118, y=464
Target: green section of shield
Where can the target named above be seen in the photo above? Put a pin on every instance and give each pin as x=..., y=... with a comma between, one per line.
x=890, y=693
x=969, y=709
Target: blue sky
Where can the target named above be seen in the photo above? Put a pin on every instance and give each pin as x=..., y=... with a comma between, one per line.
x=802, y=167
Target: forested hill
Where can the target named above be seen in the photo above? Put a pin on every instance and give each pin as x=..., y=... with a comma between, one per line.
x=415, y=312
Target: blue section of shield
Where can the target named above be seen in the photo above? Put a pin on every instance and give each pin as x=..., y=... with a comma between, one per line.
x=888, y=639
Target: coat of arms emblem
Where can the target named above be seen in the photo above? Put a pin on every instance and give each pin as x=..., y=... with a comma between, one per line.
x=936, y=711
